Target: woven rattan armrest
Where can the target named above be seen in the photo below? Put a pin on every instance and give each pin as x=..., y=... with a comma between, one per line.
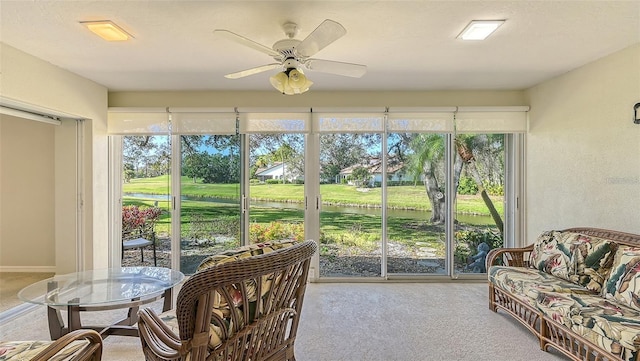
x=516, y=257
x=160, y=339
x=91, y=352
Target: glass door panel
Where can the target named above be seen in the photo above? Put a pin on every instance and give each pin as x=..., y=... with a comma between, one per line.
x=276, y=187
x=210, y=197
x=351, y=213
x=416, y=210
x=479, y=200
x=146, y=210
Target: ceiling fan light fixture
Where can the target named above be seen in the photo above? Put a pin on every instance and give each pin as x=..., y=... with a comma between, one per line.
x=280, y=81
x=480, y=29
x=297, y=80
x=290, y=82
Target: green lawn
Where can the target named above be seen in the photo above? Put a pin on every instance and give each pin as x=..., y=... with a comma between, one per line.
x=346, y=229
x=400, y=197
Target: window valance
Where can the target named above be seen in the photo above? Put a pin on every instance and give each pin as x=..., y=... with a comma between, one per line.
x=150, y=121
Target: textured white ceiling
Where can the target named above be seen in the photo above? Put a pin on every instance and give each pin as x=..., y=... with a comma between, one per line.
x=407, y=45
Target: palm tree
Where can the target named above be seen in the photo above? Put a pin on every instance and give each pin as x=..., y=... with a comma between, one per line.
x=465, y=144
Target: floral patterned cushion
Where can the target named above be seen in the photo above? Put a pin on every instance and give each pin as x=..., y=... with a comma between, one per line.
x=612, y=326
x=552, y=253
x=623, y=284
x=221, y=321
x=591, y=260
x=527, y=284
x=27, y=350
x=575, y=257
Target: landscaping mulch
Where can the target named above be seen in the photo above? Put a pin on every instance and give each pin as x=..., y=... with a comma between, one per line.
x=345, y=261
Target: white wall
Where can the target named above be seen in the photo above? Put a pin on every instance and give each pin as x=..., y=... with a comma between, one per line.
x=29, y=80
x=583, y=150
x=27, y=229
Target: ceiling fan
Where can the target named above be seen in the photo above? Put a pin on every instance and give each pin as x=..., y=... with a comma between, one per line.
x=293, y=56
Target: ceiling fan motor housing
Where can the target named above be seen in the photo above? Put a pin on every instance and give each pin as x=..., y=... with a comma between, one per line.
x=286, y=48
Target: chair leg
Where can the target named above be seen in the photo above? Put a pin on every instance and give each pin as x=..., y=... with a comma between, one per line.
x=155, y=261
x=142, y=254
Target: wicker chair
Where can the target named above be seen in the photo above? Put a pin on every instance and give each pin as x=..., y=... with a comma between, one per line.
x=78, y=345
x=211, y=304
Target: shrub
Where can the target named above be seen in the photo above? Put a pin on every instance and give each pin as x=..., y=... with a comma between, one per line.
x=467, y=185
x=134, y=217
x=494, y=189
x=259, y=232
x=467, y=242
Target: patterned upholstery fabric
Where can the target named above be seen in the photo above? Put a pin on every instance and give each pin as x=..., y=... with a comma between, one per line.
x=26, y=350
x=623, y=285
x=591, y=261
x=607, y=323
x=552, y=254
x=221, y=312
x=575, y=257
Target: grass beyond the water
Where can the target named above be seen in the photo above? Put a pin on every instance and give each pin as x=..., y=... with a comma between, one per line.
x=343, y=228
x=398, y=197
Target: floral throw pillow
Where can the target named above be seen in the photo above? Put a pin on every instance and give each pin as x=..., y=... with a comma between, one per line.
x=591, y=260
x=551, y=254
x=623, y=284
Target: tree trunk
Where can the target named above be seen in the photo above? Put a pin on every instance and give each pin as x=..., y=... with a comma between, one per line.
x=485, y=197
x=467, y=157
x=436, y=196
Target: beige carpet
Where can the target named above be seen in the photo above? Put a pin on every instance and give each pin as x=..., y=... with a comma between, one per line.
x=12, y=282
x=370, y=322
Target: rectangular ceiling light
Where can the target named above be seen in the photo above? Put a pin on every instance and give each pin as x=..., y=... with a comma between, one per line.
x=107, y=30
x=480, y=29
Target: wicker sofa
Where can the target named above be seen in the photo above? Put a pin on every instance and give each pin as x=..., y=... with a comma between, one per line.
x=78, y=345
x=577, y=290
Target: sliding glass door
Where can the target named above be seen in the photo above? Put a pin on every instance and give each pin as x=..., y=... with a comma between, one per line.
x=416, y=178
x=209, y=197
x=351, y=212
x=385, y=194
x=276, y=187
x=145, y=203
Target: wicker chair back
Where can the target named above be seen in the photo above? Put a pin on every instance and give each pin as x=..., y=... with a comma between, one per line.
x=251, y=307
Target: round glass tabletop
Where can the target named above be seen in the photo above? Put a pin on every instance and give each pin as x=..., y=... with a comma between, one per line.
x=101, y=286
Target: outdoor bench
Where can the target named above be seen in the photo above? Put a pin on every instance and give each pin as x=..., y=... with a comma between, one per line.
x=577, y=290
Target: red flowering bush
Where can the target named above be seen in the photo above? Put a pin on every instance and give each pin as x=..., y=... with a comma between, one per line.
x=134, y=217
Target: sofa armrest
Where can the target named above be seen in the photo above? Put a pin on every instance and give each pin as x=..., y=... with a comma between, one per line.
x=92, y=351
x=516, y=257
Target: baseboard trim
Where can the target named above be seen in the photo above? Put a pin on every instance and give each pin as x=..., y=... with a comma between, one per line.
x=29, y=269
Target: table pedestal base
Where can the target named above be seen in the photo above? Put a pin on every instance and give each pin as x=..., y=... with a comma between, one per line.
x=124, y=327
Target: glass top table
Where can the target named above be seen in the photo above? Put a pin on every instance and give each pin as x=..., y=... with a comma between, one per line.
x=103, y=286
x=100, y=290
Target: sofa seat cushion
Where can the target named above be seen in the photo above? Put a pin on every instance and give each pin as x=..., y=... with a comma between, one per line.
x=527, y=283
x=606, y=324
x=27, y=350
x=623, y=284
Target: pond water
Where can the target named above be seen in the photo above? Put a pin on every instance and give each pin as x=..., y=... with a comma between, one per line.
x=394, y=213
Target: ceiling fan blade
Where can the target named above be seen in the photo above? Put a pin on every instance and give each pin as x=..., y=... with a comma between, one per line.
x=246, y=42
x=325, y=34
x=336, y=67
x=256, y=70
